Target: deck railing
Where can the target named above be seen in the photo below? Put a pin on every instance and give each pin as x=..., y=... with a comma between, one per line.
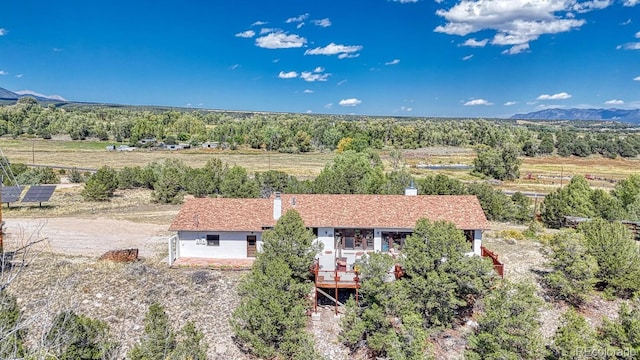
x=497, y=265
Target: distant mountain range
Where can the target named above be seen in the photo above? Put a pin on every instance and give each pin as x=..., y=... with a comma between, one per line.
x=628, y=116
x=12, y=96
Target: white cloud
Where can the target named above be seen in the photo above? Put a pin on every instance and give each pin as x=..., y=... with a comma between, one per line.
x=350, y=102
x=475, y=43
x=18, y=76
x=343, y=51
x=516, y=49
x=393, y=62
x=510, y=103
x=638, y=35
x=474, y=102
x=3, y=31
x=300, y=18
x=329, y=106
x=287, y=75
x=235, y=66
x=322, y=22
x=269, y=30
x=626, y=22
x=307, y=91
x=280, y=40
x=246, y=34
x=631, y=2
x=309, y=76
x=558, y=96
x=319, y=69
x=31, y=92
x=300, y=25
x=407, y=109
x=629, y=46
x=57, y=49
x=2, y=72
x=259, y=23
x=637, y=78
x=515, y=22
x=347, y=56
x=586, y=6
x=342, y=82
x=406, y=1
x=614, y=102
x=468, y=57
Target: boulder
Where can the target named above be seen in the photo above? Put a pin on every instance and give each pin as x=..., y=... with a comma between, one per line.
x=124, y=255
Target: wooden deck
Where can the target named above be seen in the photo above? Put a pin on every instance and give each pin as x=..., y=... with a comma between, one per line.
x=327, y=279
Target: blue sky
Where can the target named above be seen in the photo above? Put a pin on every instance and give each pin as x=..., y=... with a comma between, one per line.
x=470, y=58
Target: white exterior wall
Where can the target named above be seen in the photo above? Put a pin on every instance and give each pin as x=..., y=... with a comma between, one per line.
x=477, y=242
x=233, y=245
x=327, y=255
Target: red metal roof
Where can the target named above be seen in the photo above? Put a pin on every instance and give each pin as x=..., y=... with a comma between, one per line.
x=344, y=211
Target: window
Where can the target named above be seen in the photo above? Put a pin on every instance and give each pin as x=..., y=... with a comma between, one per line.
x=393, y=240
x=213, y=240
x=354, y=239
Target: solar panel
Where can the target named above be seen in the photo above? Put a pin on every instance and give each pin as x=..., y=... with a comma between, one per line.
x=39, y=193
x=11, y=193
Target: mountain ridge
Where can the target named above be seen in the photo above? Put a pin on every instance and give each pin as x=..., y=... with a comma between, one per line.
x=13, y=96
x=613, y=114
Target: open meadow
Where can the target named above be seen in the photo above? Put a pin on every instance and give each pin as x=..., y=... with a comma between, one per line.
x=538, y=174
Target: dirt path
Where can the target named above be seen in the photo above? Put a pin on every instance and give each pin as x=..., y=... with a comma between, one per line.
x=88, y=236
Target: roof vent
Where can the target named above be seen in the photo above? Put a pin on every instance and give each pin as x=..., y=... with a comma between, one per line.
x=411, y=190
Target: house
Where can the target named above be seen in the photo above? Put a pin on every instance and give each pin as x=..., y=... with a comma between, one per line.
x=348, y=226
x=210, y=145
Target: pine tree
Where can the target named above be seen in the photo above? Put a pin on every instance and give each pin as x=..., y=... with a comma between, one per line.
x=574, y=269
x=270, y=319
x=12, y=332
x=617, y=254
x=509, y=328
x=190, y=345
x=77, y=337
x=573, y=338
x=158, y=340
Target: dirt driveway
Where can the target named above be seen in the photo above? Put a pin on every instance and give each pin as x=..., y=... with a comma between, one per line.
x=88, y=236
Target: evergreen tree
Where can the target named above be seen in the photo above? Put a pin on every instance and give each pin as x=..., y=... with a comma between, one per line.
x=622, y=336
x=617, y=254
x=574, y=338
x=158, y=339
x=509, y=327
x=190, y=346
x=574, y=269
x=101, y=185
x=270, y=319
x=12, y=332
x=75, y=337
x=237, y=184
x=291, y=242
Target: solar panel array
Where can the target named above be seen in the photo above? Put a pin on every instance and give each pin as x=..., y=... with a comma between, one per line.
x=39, y=193
x=11, y=193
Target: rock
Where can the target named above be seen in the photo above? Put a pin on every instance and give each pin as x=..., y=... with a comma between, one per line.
x=124, y=255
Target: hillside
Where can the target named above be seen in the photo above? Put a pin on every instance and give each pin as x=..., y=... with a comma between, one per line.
x=629, y=116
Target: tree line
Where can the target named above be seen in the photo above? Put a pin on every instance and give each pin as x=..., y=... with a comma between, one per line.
x=306, y=132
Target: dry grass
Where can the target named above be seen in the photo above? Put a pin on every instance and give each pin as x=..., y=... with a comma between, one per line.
x=94, y=155
x=120, y=294
x=545, y=172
